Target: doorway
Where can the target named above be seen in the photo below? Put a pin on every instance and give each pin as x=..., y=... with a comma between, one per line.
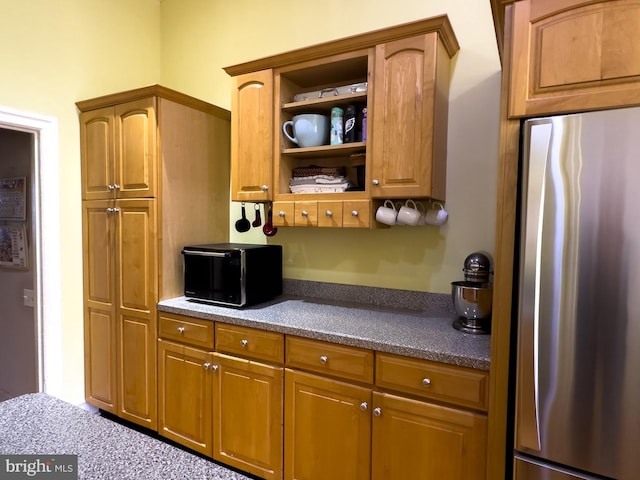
x=42, y=137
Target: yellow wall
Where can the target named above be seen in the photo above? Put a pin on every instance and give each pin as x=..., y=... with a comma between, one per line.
x=54, y=53
x=202, y=36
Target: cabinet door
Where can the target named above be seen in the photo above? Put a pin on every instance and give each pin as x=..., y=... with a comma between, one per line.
x=247, y=415
x=136, y=148
x=574, y=55
x=408, y=155
x=136, y=272
x=184, y=396
x=327, y=429
x=97, y=150
x=251, y=137
x=421, y=441
x=99, y=305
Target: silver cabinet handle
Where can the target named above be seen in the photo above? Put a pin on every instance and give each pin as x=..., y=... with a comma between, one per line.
x=328, y=213
x=244, y=342
x=113, y=210
x=215, y=367
x=377, y=411
x=264, y=188
x=304, y=213
x=324, y=359
x=281, y=214
x=206, y=365
x=354, y=213
x=180, y=329
x=426, y=382
x=109, y=210
x=376, y=181
x=364, y=406
x=110, y=187
x=116, y=186
x=116, y=210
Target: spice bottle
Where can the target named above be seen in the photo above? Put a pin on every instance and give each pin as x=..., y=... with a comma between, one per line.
x=350, y=124
x=336, y=125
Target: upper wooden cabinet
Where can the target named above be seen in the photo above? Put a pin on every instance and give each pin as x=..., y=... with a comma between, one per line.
x=118, y=151
x=400, y=75
x=409, y=151
x=574, y=55
x=251, y=137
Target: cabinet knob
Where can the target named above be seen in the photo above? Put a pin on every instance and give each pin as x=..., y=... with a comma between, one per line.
x=116, y=186
x=109, y=210
x=281, y=214
x=244, y=342
x=364, y=406
x=426, y=382
x=180, y=329
x=376, y=181
x=377, y=411
x=354, y=213
x=304, y=213
x=116, y=210
x=110, y=187
x=215, y=367
x=206, y=365
x=264, y=188
x=328, y=213
x=324, y=359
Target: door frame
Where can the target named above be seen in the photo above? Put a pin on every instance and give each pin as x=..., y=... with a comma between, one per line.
x=46, y=191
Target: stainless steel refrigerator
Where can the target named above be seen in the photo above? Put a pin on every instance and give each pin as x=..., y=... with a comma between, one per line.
x=577, y=402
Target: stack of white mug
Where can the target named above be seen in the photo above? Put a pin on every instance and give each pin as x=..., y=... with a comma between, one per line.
x=411, y=213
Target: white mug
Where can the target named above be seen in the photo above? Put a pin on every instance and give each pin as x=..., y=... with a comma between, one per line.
x=436, y=216
x=408, y=214
x=308, y=129
x=387, y=213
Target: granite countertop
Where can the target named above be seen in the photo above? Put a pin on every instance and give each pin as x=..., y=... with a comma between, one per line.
x=39, y=424
x=418, y=325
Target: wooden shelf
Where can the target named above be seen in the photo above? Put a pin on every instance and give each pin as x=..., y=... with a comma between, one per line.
x=345, y=149
x=324, y=103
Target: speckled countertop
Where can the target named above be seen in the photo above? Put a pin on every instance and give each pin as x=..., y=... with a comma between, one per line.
x=38, y=424
x=395, y=321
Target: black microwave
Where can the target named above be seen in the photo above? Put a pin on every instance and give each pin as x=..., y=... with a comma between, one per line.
x=232, y=274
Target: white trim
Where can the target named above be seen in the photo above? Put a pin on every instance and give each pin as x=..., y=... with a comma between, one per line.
x=46, y=170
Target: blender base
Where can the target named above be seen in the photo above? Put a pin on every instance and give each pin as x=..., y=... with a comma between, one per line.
x=473, y=325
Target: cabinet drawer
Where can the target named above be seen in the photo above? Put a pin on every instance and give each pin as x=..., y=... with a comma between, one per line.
x=356, y=214
x=458, y=385
x=330, y=359
x=193, y=331
x=250, y=342
x=306, y=214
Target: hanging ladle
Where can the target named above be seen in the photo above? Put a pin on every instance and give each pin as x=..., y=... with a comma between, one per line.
x=243, y=224
x=258, y=221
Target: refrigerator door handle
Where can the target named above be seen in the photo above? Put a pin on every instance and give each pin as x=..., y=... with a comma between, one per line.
x=537, y=148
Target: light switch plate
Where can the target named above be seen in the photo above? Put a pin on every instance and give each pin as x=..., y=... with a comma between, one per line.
x=29, y=298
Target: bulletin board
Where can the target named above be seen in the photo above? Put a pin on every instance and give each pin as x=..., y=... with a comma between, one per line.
x=14, y=251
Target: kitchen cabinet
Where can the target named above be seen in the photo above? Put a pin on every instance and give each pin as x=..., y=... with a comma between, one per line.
x=417, y=419
x=118, y=151
x=120, y=297
x=409, y=137
x=248, y=400
x=185, y=396
x=400, y=75
x=574, y=55
x=148, y=156
x=251, y=137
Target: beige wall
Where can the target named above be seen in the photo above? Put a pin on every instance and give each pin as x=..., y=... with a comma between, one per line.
x=56, y=53
x=201, y=36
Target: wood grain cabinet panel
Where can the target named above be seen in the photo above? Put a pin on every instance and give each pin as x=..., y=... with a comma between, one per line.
x=189, y=330
x=574, y=55
x=250, y=342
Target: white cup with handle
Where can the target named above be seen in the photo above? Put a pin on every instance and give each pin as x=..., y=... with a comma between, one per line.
x=307, y=130
x=408, y=214
x=387, y=213
x=436, y=216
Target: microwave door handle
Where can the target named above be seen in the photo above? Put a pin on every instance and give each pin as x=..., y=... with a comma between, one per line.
x=205, y=254
x=537, y=149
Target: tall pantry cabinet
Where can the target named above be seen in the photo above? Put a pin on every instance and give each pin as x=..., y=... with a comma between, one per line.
x=155, y=177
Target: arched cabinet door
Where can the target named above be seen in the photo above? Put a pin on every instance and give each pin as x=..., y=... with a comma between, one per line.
x=251, y=137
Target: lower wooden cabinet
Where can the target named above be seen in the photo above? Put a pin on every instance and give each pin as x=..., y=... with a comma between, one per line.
x=247, y=415
x=327, y=429
x=422, y=441
x=184, y=396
